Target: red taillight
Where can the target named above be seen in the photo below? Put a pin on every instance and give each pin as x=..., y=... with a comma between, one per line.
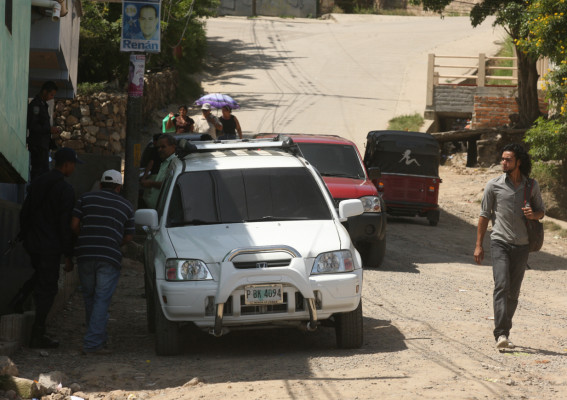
x=431, y=188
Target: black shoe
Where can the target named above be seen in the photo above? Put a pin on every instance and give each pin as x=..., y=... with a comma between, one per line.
x=43, y=342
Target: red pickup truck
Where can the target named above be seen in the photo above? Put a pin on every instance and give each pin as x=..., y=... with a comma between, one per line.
x=340, y=164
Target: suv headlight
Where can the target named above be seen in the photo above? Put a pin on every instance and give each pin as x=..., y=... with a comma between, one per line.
x=186, y=270
x=333, y=262
x=371, y=204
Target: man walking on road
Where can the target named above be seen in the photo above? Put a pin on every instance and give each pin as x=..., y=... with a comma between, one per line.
x=45, y=229
x=503, y=203
x=103, y=221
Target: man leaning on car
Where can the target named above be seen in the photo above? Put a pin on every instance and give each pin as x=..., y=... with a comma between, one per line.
x=166, y=145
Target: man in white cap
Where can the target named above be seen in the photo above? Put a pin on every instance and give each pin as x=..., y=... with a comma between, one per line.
x=103, y=221
x=208, y=123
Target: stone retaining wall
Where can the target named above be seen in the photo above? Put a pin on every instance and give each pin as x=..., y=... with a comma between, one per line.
x=97, y=123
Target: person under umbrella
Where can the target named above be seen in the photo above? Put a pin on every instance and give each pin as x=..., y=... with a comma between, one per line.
x=208, y=123
x=230, y=124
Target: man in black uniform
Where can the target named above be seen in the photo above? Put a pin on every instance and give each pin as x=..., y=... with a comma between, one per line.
x=45, y=227
x=40, y=129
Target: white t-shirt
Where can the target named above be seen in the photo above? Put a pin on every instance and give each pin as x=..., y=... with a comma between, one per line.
x=204, y=126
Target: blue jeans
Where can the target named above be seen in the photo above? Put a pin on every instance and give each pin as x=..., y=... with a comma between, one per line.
x=508, y=267
x=98, y=281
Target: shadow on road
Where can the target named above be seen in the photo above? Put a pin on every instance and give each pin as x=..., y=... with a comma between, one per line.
x=412, y=242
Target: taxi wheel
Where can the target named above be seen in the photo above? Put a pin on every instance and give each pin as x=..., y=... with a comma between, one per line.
x=167, y=332
x=348, y=328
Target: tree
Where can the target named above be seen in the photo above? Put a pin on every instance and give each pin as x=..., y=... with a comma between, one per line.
x=512, y=16
x=183, y=39
x=546, y=35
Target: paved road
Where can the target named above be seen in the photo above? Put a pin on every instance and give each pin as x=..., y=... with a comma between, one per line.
x=346, y=75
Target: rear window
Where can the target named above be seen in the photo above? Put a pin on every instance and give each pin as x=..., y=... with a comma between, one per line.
x=333, y=159
x=249, y=195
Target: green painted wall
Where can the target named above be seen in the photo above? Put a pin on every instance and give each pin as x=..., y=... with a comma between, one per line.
x=14, y=73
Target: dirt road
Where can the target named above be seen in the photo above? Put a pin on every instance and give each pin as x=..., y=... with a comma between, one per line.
x=427, y=329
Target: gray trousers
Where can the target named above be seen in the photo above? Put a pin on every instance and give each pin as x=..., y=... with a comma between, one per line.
x=508, y=267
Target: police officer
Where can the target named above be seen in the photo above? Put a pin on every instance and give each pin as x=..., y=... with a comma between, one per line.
x=45, y=227
x=40, y=129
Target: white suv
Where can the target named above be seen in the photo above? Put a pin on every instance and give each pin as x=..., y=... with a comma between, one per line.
x=246, y=235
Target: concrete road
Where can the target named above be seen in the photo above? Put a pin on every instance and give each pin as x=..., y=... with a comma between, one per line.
x=345, y=75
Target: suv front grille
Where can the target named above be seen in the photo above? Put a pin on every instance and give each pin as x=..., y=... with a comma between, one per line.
x=262, y=264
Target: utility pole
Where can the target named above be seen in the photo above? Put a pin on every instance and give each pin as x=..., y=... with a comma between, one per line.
x=140, y=32
x=134, y=119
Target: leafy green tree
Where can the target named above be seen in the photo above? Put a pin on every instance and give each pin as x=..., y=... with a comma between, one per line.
x=512, y=16
x=547, y=36
x=546, y=28
x=183, y=39
x=100, y=58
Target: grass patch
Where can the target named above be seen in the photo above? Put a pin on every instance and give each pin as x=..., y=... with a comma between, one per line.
x=507, y=50
x=406, y=123
x=555, y=229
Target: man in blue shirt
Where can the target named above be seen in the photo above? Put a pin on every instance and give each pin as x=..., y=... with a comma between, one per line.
x=103, y=221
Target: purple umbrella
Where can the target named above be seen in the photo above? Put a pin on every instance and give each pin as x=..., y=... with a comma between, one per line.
x=218, y=100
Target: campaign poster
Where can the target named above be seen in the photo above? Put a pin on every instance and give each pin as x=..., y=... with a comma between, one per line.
x=136, y=75
x=141, y=26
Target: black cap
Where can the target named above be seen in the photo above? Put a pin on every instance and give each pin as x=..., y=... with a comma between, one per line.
x=67, y=154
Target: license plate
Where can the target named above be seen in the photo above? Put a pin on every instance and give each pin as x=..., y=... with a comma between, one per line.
x=263, y=294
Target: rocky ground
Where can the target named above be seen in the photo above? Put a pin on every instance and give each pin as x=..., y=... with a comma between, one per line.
x=427, y=326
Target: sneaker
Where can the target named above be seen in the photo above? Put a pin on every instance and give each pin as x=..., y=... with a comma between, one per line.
x=103, y=351
x=43, y=342
x=503, y=343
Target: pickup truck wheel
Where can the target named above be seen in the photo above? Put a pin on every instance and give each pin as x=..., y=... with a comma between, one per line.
x=167, y=332
x=150, y=306
x=348, y=328
x=372, y=254
x=433, y=222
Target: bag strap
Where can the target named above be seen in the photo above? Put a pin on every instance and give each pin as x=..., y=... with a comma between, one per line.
x=528, y=197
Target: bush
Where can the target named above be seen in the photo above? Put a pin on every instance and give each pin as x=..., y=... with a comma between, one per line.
x=87, y=88
x=406, y=123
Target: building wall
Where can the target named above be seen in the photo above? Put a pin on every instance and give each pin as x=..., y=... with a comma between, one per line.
x=14, y=67
x=492, y=112
x=454, y=98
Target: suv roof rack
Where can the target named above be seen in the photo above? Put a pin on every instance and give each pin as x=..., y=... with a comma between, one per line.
x=282, y=142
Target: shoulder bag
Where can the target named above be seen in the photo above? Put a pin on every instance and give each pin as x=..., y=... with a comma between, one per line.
x=535, y=228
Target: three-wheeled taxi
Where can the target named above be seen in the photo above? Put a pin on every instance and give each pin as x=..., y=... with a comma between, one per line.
x=409, y=163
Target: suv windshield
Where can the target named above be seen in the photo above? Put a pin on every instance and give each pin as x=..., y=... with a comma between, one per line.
x=333, y=159
x=247, y=195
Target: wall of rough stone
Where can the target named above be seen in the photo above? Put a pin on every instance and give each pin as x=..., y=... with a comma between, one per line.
x=453, y=98
x=97, y=123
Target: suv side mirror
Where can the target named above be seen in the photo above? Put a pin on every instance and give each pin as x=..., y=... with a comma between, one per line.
x=350, y=208
x=146, y=217
x=374, y=173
